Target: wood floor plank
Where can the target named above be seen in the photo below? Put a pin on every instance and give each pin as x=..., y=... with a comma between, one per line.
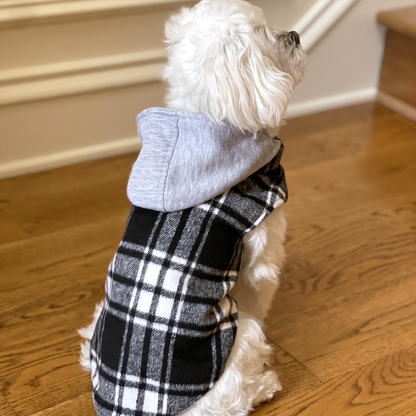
x=385, y=387
x=57, y=278
x=56, y=262
x=351, y=249
x=51, y=276
x=80, y=406
x=5, y=409
x=322, y=122
x=46, y=202
x=346, y=327
x=358, y=137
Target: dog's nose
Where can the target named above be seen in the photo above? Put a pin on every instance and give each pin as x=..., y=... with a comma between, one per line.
x=295, y=37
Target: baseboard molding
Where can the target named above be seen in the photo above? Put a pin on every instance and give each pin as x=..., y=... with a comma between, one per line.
x=24, y=13
x=396, y=105
x=311, y=15
x=331, y=103
x=69, y=157
x=321, y=17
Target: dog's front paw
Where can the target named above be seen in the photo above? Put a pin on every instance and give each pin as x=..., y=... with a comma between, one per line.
x=268, y=385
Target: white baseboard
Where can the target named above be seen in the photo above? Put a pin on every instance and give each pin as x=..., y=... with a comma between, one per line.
x=331, y=103
x=321, y=17
x=69, y=157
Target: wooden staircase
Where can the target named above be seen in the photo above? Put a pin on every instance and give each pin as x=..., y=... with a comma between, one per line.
x=397, y=89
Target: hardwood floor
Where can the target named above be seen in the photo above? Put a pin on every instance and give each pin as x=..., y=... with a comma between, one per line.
x=343, y=323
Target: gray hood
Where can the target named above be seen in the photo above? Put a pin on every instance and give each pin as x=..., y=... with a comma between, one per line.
x=187, y=159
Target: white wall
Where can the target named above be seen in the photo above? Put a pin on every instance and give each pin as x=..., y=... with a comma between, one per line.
x=283, y=14
x=344, y=67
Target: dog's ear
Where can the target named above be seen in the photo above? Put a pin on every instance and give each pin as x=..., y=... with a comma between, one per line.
x=249, y=88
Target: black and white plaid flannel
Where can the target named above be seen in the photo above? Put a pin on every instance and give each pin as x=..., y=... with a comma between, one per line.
x=168, y=324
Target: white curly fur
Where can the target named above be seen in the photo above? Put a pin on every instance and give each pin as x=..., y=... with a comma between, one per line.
x=225, y=62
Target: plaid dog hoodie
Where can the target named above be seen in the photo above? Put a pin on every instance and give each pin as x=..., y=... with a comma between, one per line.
x=169, y=323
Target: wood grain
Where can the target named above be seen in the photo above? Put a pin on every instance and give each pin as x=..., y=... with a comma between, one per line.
x=399, y=66
x=385, y=387
x=343, y=324
x=5, y=409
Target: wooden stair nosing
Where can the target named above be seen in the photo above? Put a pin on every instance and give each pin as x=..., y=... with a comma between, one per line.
x=400, y=20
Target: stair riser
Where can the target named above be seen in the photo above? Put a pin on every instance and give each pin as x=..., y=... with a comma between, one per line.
x=398, y=76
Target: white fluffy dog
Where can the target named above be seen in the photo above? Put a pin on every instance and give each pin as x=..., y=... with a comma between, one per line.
x=227, y=63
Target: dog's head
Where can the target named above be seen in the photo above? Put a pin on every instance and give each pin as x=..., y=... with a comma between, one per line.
x=226, y=62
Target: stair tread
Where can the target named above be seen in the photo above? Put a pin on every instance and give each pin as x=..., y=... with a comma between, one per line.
x=400, y=20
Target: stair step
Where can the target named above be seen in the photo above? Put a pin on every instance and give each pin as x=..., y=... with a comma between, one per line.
x=397, y=80
x=400, y=20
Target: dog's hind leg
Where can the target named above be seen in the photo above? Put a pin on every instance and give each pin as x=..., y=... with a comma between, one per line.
x=263, y=257
x=266, y=386
x=87, y=333
x=244, y=382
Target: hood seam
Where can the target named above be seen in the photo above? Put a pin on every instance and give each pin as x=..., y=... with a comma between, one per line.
x=169, y=165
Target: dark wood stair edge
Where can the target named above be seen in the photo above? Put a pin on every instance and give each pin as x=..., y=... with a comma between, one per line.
x=398, y=21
